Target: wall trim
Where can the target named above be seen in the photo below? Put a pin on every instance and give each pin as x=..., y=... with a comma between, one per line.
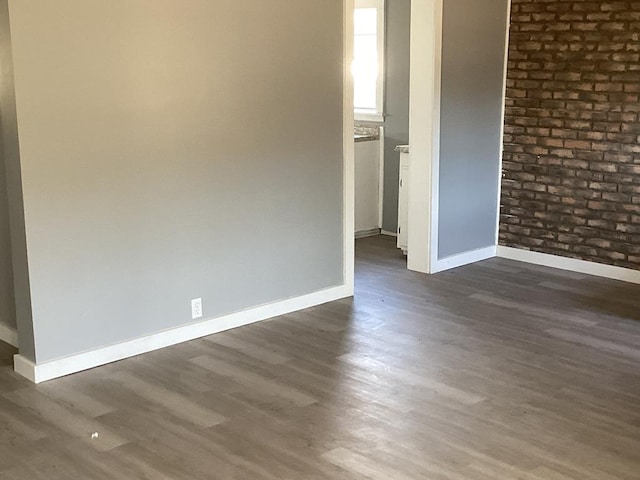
x=25, y=367
x=381, y=163
x=424, y=133
x=502, y=120
x=466, y=258
x=9, y=335
x=367, y=233
x=42, y=372
x=388, y=233
x=348, y=152
x=571, y=264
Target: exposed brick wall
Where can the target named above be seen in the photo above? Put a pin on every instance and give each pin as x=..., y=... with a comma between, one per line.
x=571, y=181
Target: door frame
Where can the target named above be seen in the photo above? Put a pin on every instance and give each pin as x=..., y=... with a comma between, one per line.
x=424, y=137
x=424, y=134
x=348, y=151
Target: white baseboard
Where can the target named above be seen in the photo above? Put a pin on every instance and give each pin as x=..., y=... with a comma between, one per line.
x=372, y=232
x=26, y=368
x=42, y=372
x=571, y=264
x=464, y=259
x=9, y=335
x=388, y=233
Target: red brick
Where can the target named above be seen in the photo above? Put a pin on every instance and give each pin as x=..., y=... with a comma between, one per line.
x=572, y=130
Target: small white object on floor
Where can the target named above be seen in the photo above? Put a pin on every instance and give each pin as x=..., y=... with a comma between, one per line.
x=94, y=435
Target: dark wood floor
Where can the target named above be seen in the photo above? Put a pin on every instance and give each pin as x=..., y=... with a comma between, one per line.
x=498, y=370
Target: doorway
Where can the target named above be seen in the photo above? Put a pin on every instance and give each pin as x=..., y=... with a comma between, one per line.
x=418, y=97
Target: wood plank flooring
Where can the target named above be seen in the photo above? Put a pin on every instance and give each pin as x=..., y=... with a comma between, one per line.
x=498, y=370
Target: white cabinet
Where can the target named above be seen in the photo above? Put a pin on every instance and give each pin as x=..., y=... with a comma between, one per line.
x=403, y=197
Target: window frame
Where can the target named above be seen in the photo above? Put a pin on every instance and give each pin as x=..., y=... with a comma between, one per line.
x=366, y=114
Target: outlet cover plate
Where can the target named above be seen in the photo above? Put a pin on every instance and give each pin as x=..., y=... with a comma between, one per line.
x=196, y=308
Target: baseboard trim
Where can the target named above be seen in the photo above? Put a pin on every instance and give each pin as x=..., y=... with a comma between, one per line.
x=388, y=233
x=42, y=372
x=367, y=233
x=9, y=335
x=462, y=259
x=25, y=367
x=571, y=264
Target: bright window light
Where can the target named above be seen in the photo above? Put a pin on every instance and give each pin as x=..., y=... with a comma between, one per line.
x=368, y=60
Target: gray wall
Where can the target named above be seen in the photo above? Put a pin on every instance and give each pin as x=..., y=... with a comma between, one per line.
x=171, y=150
x=7, y=301
x=473, y=51
x=398, y=22
x=16, y=297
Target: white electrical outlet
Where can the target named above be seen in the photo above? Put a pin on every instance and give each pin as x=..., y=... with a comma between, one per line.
x=196, y=308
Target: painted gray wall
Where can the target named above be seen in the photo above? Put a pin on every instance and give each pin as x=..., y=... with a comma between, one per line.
x=397, y=35
x=473, y=51
x=174, y=151
x=19, y=293
x=7, y=300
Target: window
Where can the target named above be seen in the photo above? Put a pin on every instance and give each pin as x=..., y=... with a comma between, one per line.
x=368, y=60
